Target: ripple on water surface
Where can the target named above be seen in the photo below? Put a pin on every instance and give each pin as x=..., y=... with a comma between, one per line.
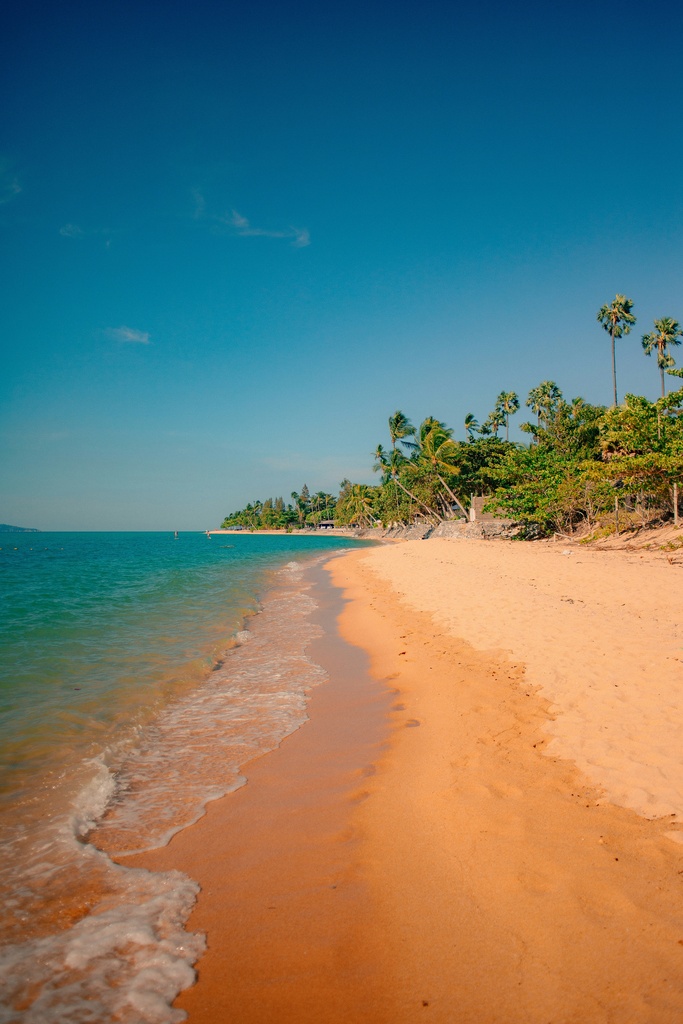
x=89, y=940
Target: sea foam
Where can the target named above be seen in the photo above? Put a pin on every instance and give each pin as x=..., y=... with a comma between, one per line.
x=118, y=949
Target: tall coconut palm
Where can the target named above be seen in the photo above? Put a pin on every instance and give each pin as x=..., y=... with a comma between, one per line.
x=617, y=320
x=400, y=428
x=667, y=333
x=471, y=426
x=507, y=404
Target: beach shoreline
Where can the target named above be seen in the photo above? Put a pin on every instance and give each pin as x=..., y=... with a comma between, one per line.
x=486, y=875
x=509, y=887
x=283, y=899
x=146, y=674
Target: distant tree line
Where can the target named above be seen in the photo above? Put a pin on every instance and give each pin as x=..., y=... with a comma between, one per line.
x=584, y=465
x=304, y=510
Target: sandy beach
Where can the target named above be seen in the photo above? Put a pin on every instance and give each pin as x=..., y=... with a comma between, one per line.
x=482, y=829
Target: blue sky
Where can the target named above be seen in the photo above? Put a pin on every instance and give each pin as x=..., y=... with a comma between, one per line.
x=236, y=237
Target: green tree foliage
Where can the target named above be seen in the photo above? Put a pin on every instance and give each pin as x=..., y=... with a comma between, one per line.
x=400, y=428
x=396, y=468
x=437, y=455
x=543, y=401
x=492, y=424
x=356, y=506
x=541, y=487
x=617, y=319
x=507, y=405
x=642, y=443
x=667, y=333
x=582, y=465
x=545, y=484
x=273, y=514
x=471, y=426
x=480, y=462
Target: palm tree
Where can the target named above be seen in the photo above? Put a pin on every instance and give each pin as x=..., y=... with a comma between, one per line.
x=390, y=464
x=543, y=400
x=359, y=504
x=301, y=504
x=507, y=404
x=400, y=427
x=492, y=423
x=577, y=404
x=617, y=320
x=471, y=425
x=437, y=449
x=668, y=333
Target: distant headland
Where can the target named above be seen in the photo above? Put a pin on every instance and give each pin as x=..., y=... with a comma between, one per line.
x=6, y=528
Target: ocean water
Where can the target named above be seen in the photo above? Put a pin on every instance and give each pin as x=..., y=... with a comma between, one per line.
x=138, y=673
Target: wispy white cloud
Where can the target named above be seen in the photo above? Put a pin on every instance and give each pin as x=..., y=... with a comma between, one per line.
x=129, y=334
x=299, y=237
x=239, y=222
x=10, y=186
x=71, y=231
x=235, y=223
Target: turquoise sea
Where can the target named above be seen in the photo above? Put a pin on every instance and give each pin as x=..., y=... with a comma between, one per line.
x=138, y=673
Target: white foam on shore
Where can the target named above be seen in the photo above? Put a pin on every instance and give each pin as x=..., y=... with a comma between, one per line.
x=126, y=962
x=194, y=751
x=128, y=954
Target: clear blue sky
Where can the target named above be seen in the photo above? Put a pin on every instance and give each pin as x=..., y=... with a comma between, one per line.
x=237, y=236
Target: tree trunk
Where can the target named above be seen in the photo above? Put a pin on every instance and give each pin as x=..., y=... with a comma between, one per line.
x=430, y=511
x=614, y=369
x=456, y=500
x=675, y=490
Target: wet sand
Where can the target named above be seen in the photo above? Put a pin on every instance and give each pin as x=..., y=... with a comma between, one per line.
x=465, y=872
x=284, y=901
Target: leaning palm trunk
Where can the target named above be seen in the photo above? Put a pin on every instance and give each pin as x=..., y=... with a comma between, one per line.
x=430, y=511
x=455, y=499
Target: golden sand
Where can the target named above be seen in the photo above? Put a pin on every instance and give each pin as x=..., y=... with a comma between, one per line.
x=492, y=862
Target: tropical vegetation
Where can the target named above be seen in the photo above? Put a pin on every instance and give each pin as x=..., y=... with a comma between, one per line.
x=617, y=319
x=583, y=467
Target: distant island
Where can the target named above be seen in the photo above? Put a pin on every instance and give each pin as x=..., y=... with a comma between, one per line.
x=6, y=528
